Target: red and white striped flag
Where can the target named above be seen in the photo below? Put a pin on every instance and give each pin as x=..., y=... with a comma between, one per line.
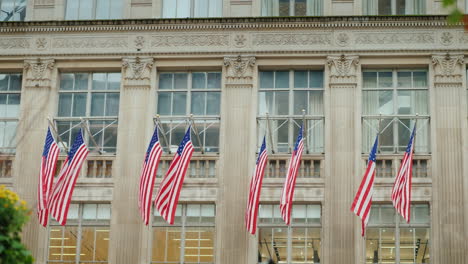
x=169, y=190
x=363, y=200
x=401, y=192
x=290, y=182
x=147, y=177
x=255, y=189
x=46, y=177
x=63, y=189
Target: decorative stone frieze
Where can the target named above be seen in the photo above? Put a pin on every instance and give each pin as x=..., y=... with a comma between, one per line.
x=239, y=70
x=448, y=69
x=137, y=71
x=296, y=39
x=90, y=42
x=38, y=72
x=182, y=40
x=343, y=70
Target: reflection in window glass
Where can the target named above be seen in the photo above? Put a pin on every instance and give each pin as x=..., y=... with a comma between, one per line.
x=13, y=10
x=189, y=240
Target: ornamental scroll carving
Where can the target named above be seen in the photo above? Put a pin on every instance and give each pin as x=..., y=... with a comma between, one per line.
x=343, y=69
x=137, y=71
x=239, y=70
x=448, y=69
x=38, y=72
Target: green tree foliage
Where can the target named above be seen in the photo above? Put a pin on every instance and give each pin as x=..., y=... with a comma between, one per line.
x=13, y=215
x=455, y=15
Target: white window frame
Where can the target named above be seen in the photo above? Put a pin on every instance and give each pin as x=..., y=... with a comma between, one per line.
x=423, y=119
x=292, y=9
x=409, y=7
x=94, y=10
x=79, y=223
x=192, y=9
x=75, y=120
x=11, y=148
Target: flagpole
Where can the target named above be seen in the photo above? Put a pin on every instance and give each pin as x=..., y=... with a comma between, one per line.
x=304, y=131
x=159, y=125
x=54, y=130
x=202, y=147
x=270, y=137
x=84, y=124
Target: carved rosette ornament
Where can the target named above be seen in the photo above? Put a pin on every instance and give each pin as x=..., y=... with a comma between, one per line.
x=239, y=71
x=38, y=72
x=137, y=71
x=343, y=70
x=448, y=69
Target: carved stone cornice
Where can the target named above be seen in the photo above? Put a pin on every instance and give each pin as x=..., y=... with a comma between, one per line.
x=448, y=69
x=38, y=72
x=343, y=70
x=239, y=71
x=137, y=71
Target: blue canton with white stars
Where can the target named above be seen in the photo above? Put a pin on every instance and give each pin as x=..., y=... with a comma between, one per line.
x=410, y=143
x=153, y=141
x=262, y=148
x=372, y=154
x=48, y=141
x=184, y=142
x=299, y=138
x=76, y=145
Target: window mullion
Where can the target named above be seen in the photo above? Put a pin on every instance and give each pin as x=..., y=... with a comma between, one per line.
x=188, y=102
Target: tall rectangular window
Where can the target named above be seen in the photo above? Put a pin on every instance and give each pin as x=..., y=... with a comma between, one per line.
x=85, y=237
x=292, y=7
x=298, y=243
x=189, y=240
x=93, y=9
x=10, y=97
x=182, y=94
x=283, y=95
x=94, y=97
x=12, y=10
x=395, y=99
x=389, y=239
x=192, y=8
x=394, y=7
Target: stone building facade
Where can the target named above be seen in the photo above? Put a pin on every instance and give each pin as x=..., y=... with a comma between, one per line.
x=238, y=78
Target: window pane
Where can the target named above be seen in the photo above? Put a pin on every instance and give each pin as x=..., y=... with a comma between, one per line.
x=385, y=7
x=412, y=102
x=407, y=245
x=97, y=104
x=99, y=81
x=316, y=79
x=103, y=9
x=372, y=245
x=180, y=81
x=266, y=80
x=300, y=79
x=300, y=8
x=208, y=213
x=200, y=8
x=113, y=80
x=419, y=79
x=102, y=243
x=86, y=10
x=299, y=245
x=216, y=8
x=164, y=103
x=300, y=102
x=386, y=135
x=213, y=102
x=116, y=9
x=3, y=104
x=369, y=79
x=199, y=80
x=404, y=79
x=385, y=79
x=66, y=81
x=179, y=103
x=15, y=82
x=87, y=244
x=110, y=136
x=401, y=7
x=13, y=105
x=81, y=81
x=214, y=80
x=420, y=214
x=193, y=213
x=166, y=244
x=4, y=79
x=169, y=8
x=112, y=104
x=274, y=103
x=70, y=243
x=72, y=10
x=284, y=7
x=423, y=247
x=377, y=102
x=165, y=81
x=79, y=104
x=183, y=8
x=281, y=79
x=90, y=211
x=104, y=211
x=313, y=214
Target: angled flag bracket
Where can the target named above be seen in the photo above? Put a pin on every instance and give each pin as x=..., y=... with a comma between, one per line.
x=158, y=123
x=304, y=125
x=270, y=135
x=192, y=122
x=85, y=125
x=54, y=131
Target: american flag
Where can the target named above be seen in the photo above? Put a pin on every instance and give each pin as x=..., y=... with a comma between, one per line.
x=401, y=192
x=255, y=189
x=363, y=200
x=289, y=185
x=148, y=175
x=46, y=177
x=63, y=189
x=169, y=190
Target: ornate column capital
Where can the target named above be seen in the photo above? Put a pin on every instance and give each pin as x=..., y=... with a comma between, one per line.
x=448, y=69
x=137, y=71
x=343, y=70
x=239, y=71
x=38, y=72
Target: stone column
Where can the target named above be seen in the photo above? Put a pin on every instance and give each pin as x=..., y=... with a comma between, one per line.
x=37, y=102
x=449, y=228
x=237, y=148
x=340, y=155
x=135, y=128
